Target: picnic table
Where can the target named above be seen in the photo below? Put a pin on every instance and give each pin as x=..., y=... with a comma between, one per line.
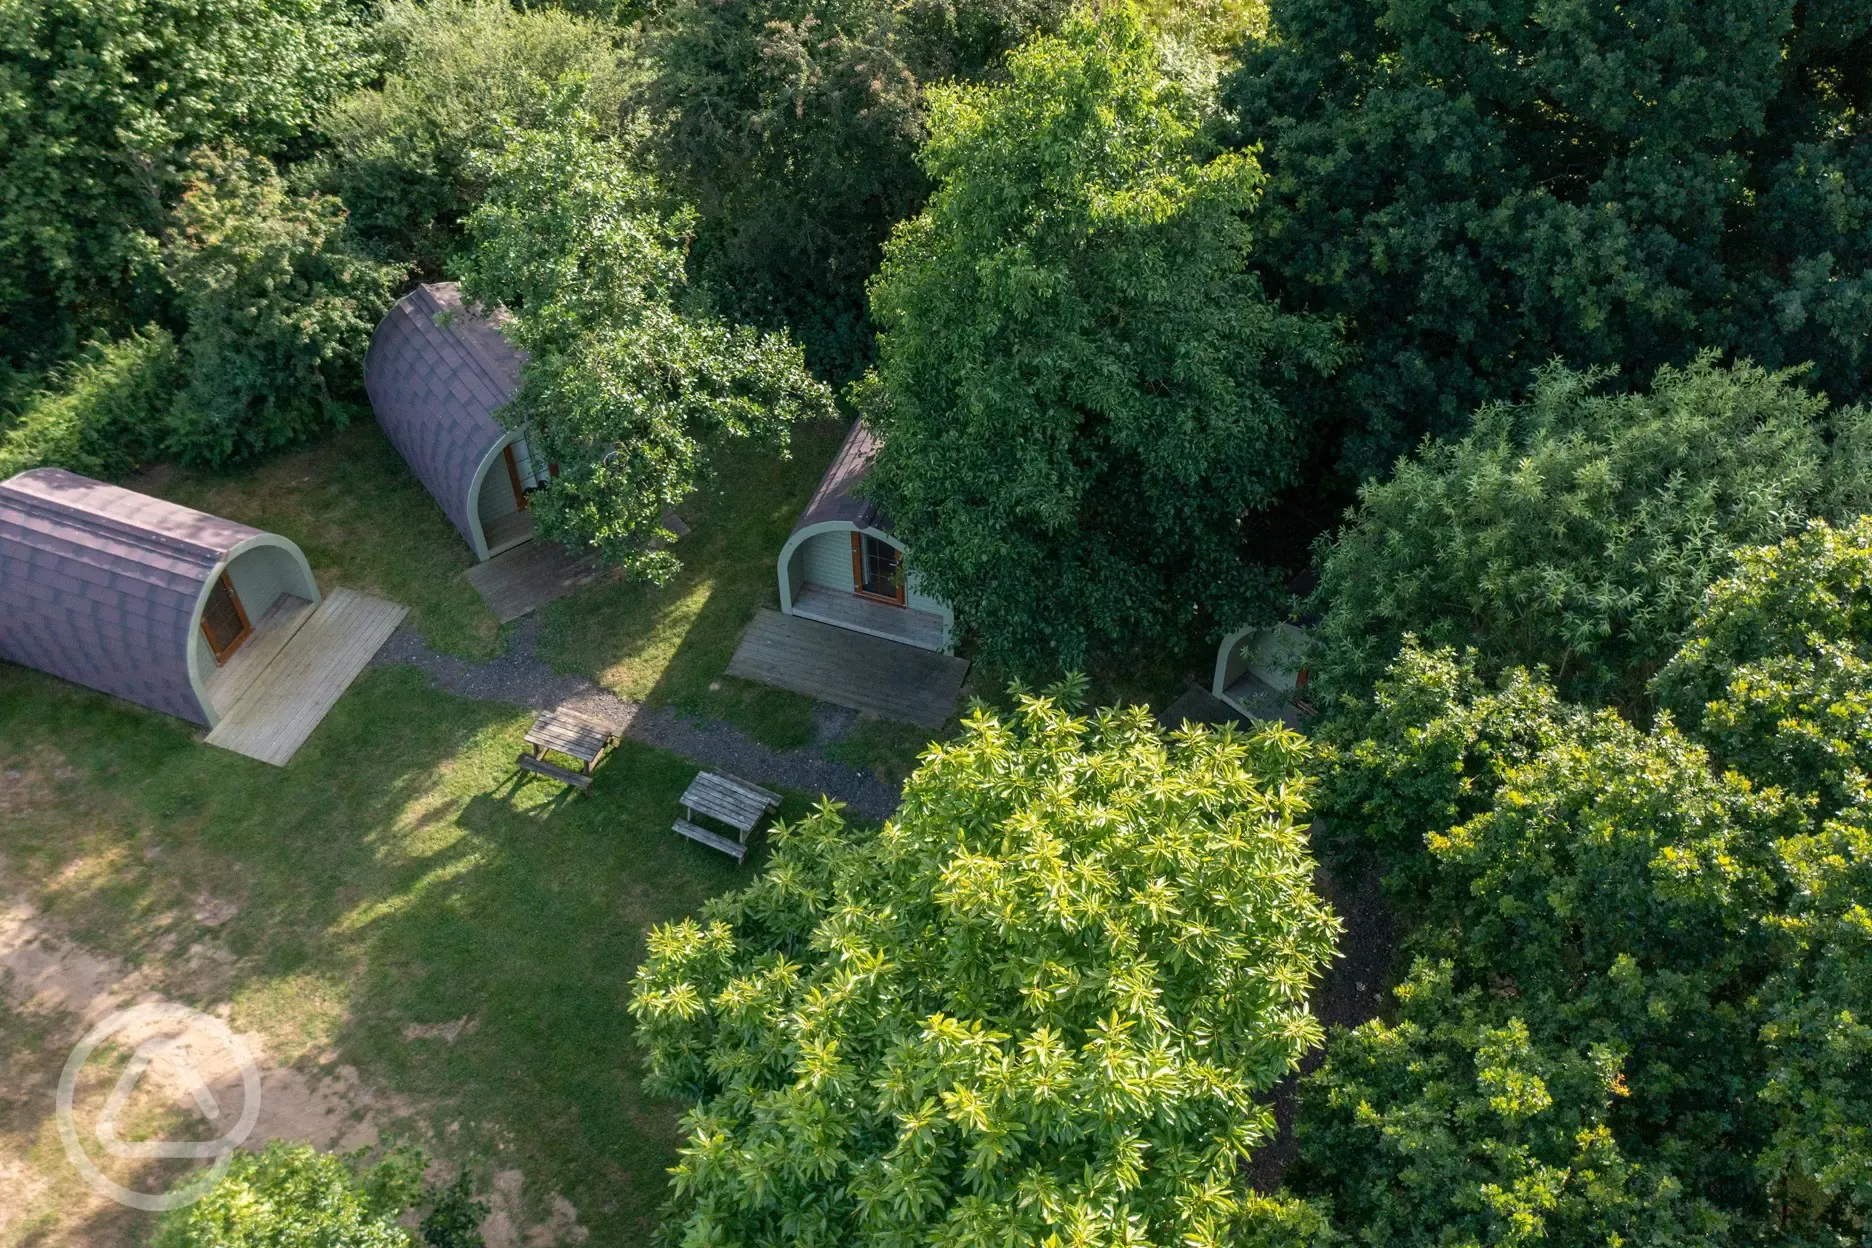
x=730, y=800
x=569, y=733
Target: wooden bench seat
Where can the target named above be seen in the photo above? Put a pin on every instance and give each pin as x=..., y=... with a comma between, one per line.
x=703, y=836
x=565, y=775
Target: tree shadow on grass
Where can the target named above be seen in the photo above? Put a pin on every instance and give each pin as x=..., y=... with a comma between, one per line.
x=669, y=645
x=391, y=876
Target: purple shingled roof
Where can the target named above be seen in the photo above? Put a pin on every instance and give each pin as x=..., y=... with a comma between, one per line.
x=98, y=585
x=436, y=373
x=836, y=497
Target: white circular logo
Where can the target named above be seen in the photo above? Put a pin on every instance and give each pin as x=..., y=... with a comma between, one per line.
x=193, y=1052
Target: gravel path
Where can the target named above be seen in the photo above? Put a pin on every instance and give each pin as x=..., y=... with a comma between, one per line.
x=519, y=677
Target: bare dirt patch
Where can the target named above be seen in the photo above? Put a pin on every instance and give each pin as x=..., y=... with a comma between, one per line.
x=58, y=989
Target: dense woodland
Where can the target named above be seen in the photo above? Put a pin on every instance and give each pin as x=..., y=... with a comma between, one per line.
x=1530, y=339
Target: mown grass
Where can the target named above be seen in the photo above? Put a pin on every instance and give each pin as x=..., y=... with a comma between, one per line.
x=394, y=874
x=668, y=644
x=363, y=520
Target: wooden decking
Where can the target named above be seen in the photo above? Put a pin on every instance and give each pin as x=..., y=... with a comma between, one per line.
x=271, y=632
x=836, y=665
x=286, y=700
x=847, y=610
x=528, y=577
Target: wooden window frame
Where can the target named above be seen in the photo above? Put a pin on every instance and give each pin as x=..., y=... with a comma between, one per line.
x=222, y=654
x=513, y=476
x=858, y=579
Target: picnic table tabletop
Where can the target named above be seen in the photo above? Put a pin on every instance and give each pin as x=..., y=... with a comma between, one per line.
x=733, y=801
x=572, y=734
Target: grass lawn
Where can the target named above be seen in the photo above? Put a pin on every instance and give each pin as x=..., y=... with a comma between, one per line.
x=667, y=645
x=362, y=519
x=391, y=875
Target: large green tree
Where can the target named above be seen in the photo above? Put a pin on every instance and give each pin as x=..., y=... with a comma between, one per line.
x=1638, y=998
x=794, y=124
x=1576, y=530
x=457, y=71
x=280, y=307
x=1081, y=390
x=1479, y=187
x=629, y=377
x=1777, y=678
x=1040, y=1005
x=102, y=104
x=1572, y=1059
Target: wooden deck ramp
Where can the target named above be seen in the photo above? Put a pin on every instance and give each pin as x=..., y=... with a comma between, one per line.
x=305, y=680
x=837, y=665
x=528, y=577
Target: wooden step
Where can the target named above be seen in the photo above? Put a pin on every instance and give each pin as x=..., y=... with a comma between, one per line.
x=307, y=677
x=539, y=767
x=703, y=836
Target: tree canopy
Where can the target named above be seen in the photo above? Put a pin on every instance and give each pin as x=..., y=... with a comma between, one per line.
x=1576, y=530
x=102, y=106
x=628, y=376
x=1638, y=986
x=457, y=71
x=1037, y=1006
x=1478, y=188
x=280, y=309
x=1081, y=391
x=794, y=125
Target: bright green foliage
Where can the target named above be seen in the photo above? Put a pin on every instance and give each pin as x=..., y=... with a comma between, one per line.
x=292, y=1196
x=280, y=310
x=1080, y=389
x=1577, y=530
x=1480, y=187
x=626, y=380
x=459, y=69
x=1035, y=1008
x=1777, y=674
x=1573, y=1058
x=1817, y=1028
x=1215, y=25
x=101, y=103
x=794, y=124
x=1777, y=678
x=1680, y=914
x=1452, y=1125
x=105, y=412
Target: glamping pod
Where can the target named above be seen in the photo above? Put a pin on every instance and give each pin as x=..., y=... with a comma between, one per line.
x=436, y=373
x=1260, y=671
x=154, y=603
x=841, y=565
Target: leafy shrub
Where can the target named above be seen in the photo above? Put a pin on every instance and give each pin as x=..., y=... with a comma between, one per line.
x=455, y=1219
x=106, y=413
x=280, y=310
x=1041, y=1002
x=100, y=104
x=626, y=379
x=1577, y=530
x=293, y=1196
x=459, y=70
x=1080, y=390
